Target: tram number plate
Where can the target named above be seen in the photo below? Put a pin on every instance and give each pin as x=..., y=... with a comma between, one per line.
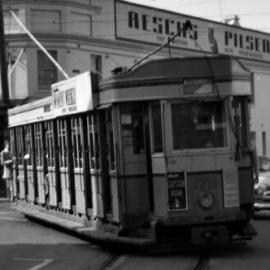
x=177, y=195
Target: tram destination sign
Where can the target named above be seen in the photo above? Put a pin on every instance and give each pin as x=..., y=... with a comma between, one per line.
x=154, y=26
x=177, y=194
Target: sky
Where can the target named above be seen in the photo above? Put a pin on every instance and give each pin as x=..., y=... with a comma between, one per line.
x=253, y=14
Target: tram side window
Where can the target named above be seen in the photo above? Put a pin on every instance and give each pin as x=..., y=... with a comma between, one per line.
x=12, y=141
x=19, y=142
x=28, y=145
x=93, y=143
x=240, y=108
x=49, y=140
x=132, y=128
x=198, y=125
x=157, y=128
x=38, y=144
x=62, y=142
x=76, y=131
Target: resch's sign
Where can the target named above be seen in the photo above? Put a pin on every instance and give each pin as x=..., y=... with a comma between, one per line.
x=144, y=24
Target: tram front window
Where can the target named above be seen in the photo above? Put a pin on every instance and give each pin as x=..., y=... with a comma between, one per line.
x=198, y=125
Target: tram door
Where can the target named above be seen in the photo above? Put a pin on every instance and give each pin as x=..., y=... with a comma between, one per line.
x=106, y=148
x=136, y=159
x=245, y=171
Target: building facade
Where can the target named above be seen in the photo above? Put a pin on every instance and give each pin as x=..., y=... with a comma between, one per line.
x=102, y=35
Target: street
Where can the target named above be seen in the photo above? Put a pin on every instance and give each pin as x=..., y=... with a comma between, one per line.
x=26, y=245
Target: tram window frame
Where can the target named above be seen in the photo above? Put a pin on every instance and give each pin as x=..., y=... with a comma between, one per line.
x=240, y=105
x=156, y=125
x=62, y=142
x=111, y=140
x=12, y=141
x=93, y=142
x=49, y=143
x=199, y=127
x=77, y=142
x=20, y=142
x=38, y=144
x=132, y=128
x=28, y=145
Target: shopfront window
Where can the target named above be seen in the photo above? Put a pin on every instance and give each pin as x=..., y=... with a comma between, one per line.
x=198, y=125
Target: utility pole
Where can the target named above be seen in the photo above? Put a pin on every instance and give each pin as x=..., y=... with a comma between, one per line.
x=5, y=103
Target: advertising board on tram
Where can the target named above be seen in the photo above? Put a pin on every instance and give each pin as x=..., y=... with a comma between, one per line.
x=73, y=95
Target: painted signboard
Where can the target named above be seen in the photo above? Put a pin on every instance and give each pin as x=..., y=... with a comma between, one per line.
x=177, y=194
x=73, y=95
x=144, y=24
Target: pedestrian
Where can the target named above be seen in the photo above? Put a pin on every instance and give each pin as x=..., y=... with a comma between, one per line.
x=6, y=160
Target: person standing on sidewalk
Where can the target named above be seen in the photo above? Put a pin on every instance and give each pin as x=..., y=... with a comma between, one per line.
x=6, y=160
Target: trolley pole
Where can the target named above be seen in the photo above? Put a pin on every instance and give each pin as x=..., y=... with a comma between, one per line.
x=5, y=103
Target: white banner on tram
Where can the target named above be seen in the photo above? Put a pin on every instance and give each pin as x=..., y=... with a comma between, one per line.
x=73, y=95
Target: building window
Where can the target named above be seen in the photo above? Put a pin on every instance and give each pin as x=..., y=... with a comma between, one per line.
x=81, y=24
x=96, y=64
x=10, y=24
x=46, y=21
x=47, y=71
x=264, y=147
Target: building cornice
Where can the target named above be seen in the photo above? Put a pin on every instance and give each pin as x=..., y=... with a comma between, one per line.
x=75, y=4
x=79, y=40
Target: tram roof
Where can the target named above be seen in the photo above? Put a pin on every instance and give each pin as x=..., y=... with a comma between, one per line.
x=176, y=70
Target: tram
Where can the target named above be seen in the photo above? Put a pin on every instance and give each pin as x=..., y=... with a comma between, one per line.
x=161, y=152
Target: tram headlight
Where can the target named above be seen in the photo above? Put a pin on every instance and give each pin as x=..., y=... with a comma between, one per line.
x=206, y=199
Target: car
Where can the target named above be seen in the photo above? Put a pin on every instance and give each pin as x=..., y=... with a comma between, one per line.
x=264, y=163
x=262, y=192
